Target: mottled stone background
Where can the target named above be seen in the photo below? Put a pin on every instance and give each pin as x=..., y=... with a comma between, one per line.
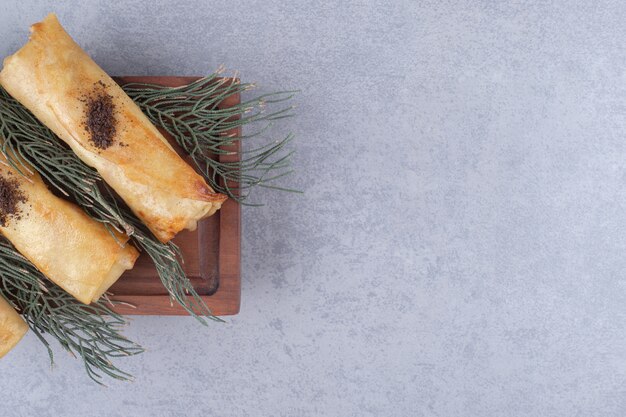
x=460, y=249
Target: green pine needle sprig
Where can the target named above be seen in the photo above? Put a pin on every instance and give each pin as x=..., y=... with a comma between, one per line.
x=193, y=116
x=91, y=332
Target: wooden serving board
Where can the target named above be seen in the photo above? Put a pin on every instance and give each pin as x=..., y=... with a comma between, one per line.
x=211, y=253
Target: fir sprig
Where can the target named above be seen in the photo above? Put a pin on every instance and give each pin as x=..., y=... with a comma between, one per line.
x=193, y=116
x=89, y=331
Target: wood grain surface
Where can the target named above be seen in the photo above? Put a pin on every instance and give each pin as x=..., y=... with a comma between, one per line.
x=211, y=253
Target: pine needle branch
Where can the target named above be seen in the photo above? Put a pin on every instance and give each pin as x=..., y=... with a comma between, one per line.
x=195, y=116
x=89, y=331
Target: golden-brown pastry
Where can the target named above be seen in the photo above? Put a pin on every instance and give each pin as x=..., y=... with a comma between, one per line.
x=76, y=252
x=12, y=327
x=54, y=78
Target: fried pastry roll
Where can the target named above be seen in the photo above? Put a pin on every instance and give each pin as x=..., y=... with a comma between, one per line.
x=74, y=251
x=67, y=91
x=12, y=327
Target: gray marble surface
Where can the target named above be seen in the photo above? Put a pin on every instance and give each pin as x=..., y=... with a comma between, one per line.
x=460, y=249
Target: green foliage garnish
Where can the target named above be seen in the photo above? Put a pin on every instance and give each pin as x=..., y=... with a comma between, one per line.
x=193, y=116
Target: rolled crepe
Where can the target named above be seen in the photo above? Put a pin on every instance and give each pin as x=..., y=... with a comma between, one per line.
x=74, y=251
x=12, y=327
x=65, y=89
